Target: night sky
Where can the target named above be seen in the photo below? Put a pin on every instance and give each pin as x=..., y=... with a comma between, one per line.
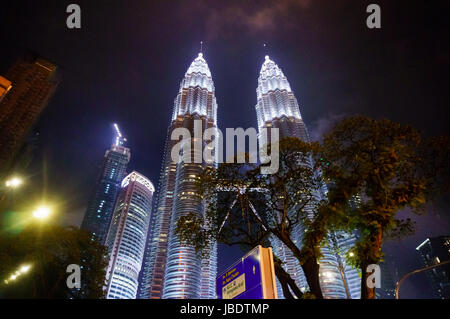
x=126, y=62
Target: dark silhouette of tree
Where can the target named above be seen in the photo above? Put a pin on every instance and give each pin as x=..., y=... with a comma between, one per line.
x=49, y=249
x=263, y=206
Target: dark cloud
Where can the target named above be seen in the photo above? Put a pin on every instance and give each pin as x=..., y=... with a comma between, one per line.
x=249, y=17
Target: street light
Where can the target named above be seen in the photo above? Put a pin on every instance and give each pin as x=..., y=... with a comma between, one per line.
x=399, y=283
x=24, y=269
x=21, y=271
x=42, y=212
x=14, y=182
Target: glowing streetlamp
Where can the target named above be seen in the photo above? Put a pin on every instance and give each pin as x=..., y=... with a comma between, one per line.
x=329, y=275
x=14, y=182
x=24, y=269
x=42, y=212
x=21, y=271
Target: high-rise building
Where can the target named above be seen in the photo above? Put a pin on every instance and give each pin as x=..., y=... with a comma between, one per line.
x=127, y=236
x=172, y=270
x=350, y=277
x=387, y=289
x=5, y=86
x=26, y=90
x=277, y=107
x=433, y=251
x=103, y=198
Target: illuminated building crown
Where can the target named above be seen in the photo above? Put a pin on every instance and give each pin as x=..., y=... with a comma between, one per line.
x=196, y=94
x=274, y=95
x=139, y=178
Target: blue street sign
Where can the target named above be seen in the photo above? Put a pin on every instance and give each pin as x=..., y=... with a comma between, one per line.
x=245, y=278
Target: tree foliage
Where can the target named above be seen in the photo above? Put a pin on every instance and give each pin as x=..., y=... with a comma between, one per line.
x=377, y=163
x=264, y=207
x=49, y=249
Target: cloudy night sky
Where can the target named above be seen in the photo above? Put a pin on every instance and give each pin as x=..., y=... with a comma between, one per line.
x=126, y=62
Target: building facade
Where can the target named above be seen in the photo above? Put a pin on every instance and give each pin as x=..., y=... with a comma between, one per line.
x=171, y=269
x=433, y=251
x=103, y=198
x=26, y=91
x=277, y=107
x=127, y=236
x=388, y=279
x=5, y=86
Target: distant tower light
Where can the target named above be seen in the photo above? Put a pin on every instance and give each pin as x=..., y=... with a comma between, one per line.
x=119, y=137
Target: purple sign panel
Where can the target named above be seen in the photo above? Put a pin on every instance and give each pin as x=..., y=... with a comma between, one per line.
x=243, y=280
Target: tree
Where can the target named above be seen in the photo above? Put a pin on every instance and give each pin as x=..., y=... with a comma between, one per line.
x=269, y=207
x=49, y=249
x=379, y=162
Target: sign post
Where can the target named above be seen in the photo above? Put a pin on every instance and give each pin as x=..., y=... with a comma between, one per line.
x=251, y=277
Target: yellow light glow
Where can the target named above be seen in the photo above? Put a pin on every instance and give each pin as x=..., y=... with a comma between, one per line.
x=24, y=269
x=14, y=182
x=21, y=271
x=329, y=274
x=42, y=212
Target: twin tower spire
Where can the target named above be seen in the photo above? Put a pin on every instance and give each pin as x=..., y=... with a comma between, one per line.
x=171, y=269
x=197, y=87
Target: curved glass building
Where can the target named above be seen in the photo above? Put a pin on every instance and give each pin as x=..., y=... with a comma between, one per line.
x=127, y=236
x=277, y=107
x=171, y=269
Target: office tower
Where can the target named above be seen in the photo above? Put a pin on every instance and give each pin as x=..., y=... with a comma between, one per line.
x=277, y=107
x=173, y=270
x=5, y=86
x=27, y=89
x=103, y=198
x=433, y=251
x=340, y=243
x=127, y=236
x=387, y=290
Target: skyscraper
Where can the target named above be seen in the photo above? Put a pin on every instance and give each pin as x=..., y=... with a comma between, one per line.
x=127, y=236
x=433, y=251
x=173, y=270
x=277, y=107
x=31, y=82
x=102, y=201
x=387, y=289
x=5, y=86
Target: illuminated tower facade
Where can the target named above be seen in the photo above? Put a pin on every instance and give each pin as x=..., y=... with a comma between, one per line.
x=102, y=201
x=5, y=87
x=432, y=251
x=277, y=107
x=172, y=270
x=127, y=236
x=24, y=93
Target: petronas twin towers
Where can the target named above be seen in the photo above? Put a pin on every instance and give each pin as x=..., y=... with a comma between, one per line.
x=171, y=270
